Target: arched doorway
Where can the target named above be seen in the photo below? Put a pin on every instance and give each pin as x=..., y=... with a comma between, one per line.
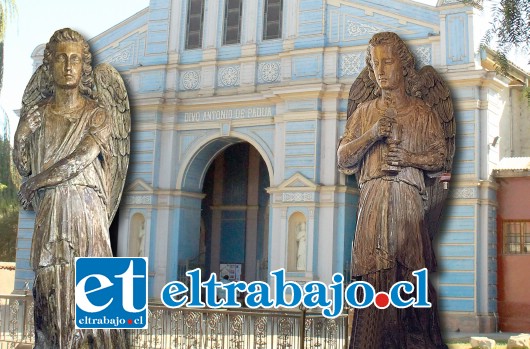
x=223, y=215
x=235, y=214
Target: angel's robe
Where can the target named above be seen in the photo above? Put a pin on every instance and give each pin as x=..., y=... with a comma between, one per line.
x=71, y=221
x=390, y=225
x=71, y=217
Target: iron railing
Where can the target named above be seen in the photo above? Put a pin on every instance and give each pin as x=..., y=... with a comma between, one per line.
x=185, y=328
x=16, y=320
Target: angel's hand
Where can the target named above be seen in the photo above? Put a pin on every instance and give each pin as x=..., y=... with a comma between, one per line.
x=27, y=192
x=382, y=128
x=399, y=157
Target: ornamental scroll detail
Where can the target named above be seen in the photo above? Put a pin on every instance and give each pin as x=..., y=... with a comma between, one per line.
x=463, y=193
x=361, y=29
x=298, y=197
x=269, y=72
x=229, y=76
x=422, y=54
x=121, y=57
x=351, y=64
x=190, y=80
x=138, y=200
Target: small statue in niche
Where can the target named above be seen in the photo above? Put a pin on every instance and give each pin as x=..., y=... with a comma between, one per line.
x=301, y=239
x=137, y=239
x=141, y=240
x=399, y=140
x=72, y=146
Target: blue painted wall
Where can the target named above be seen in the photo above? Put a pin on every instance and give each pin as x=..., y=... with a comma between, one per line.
x=300, y=149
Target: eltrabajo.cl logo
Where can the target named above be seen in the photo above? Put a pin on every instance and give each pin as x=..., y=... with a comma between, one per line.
x=110, y=293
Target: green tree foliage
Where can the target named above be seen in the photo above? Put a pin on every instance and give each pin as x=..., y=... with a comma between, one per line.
x=8, y=235
x=9, y=179
x=8, y=189
x=509, y=27
x=9, y=207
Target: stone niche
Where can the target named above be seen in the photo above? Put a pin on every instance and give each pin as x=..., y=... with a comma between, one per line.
x=297, y=243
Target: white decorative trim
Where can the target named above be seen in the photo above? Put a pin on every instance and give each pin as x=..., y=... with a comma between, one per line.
x=191, y=80
x=298, y=197
x=351, y=64
x=137, y=187
x=422, y=54
x=361, y=29
x=463, y=193
x=229, y=76
x=121, y=57
x=269, y=72
x=137, y=200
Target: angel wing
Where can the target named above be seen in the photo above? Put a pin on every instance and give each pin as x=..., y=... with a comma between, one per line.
x=38, y=89
x=111, y=94
x=435, y=92
x=361, y=90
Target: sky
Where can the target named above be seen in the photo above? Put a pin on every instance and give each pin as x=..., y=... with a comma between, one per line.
x=35, y=21
x=34, y=24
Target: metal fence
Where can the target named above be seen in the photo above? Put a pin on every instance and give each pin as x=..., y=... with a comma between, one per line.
x=16, y=320
x=241, y=329
x=186, y=328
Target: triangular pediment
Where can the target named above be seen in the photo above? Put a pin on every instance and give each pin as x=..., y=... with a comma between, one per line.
x=138, y=186
x=297, y=182
x=121, y=46
x=358, y=21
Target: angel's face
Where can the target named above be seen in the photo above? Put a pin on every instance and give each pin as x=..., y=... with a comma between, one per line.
x=67, y=64
x=387, y=67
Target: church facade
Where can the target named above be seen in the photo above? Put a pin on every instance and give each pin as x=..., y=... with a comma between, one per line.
x=237, y=108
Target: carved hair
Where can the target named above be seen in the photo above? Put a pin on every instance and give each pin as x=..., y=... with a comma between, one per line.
x=404, y=54
x=68, y=35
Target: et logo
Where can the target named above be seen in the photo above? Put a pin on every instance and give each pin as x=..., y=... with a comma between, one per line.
x=110, y=293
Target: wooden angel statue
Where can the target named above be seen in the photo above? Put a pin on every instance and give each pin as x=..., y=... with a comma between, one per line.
x=72, y=146
x=399, y=141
